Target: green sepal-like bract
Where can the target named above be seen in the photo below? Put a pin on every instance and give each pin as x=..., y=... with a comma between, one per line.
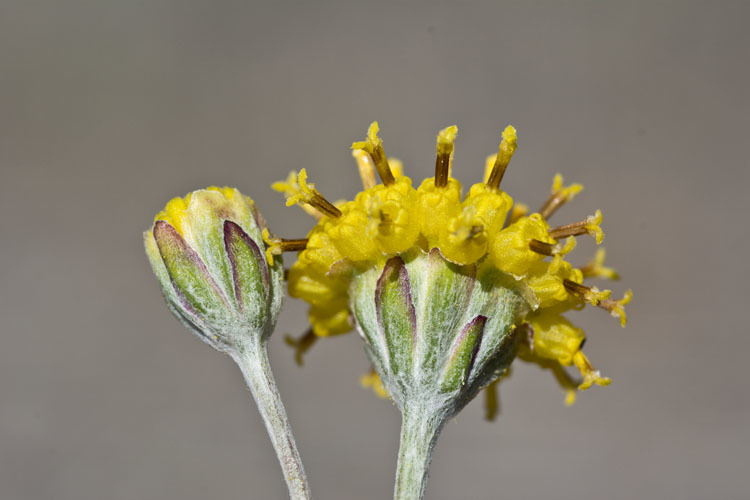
x=436, y=332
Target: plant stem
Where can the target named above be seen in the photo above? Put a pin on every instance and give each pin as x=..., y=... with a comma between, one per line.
x=252, y=359
x=419, y=432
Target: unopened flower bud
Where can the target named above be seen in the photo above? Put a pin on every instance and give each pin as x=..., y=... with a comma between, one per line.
x=207, y=251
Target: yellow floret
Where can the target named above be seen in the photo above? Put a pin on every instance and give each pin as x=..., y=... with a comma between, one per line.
x=510, y=250
x=354, y=233
x=546, y=281
x=491, y=206
x=320, y=253
x=315, y=287
x=436, y=206
x=555, y=337
x=392, y=209
x=463, y=240
x=329, y=320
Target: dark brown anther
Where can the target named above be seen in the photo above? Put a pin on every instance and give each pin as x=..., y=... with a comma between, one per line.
x=574, y=229
x=324, y=206
x=580, y=291
x=301, y=344
x=373, y=146
x=442, y=168
x=555, y=201
x=590, y=294
x=381, y=165
x=445, y=142
x=496, y=176
x=504, y=154
x=292, y=245
x=542, y=248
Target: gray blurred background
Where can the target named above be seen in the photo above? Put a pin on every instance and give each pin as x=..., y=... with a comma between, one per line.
x=110, y=108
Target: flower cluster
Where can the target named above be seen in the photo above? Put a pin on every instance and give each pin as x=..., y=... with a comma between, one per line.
x=484, y=230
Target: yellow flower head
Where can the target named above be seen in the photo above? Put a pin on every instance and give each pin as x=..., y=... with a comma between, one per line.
x=484, y=232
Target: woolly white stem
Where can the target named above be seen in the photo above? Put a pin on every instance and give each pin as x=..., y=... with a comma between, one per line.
x=419, y=432
x=252, y=359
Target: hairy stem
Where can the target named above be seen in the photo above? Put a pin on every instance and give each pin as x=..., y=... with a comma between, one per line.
x=419, y=432
x=252, y=359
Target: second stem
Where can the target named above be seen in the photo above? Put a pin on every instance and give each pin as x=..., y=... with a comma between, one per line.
x=253, y=361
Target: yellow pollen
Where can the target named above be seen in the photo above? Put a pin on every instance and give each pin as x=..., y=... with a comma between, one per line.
x=617, y=307
x=559, y=196
x=590, y=375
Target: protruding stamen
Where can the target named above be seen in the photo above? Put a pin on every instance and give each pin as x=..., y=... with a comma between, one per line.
x=552, y=249
x=301, y=345
x=290, y=187
x=297, y=190
x=504, y=154
x=566, y=382
x=491, y=401
x=397, y=167
x=519, y=210
x=617, y=307
x=588, y=226
x=596, y=268
x=366, y=168
x=590, y=294
x=542, y=248
x=590, y=375
x=560, y=195
x=277, y=246
x=374, y=146
x=445, y=142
